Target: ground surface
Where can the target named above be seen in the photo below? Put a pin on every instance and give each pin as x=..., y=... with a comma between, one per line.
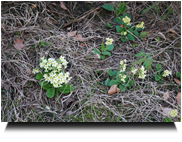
x=23, y=100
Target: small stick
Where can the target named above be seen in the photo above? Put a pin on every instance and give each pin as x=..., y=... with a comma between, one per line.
x=81, y=17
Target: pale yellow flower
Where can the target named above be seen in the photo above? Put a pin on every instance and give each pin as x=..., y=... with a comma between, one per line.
x=173, y=113
x=166, y=73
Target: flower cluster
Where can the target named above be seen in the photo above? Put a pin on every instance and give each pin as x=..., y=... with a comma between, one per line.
x=57, y=79
x=36, y=70
x=173, y=113
x=109, y=41
x=127, y=20
x=123, y=65
x=52, y=64
x=123, y=77
x=142, y=73
x=141, y=25
x=53, y=71
x=166, y=73
x=133, y=70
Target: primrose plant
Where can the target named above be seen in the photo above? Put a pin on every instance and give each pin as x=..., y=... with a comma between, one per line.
x=53, y=77
x=127, y=30
x=125, y=78
x=105, y=50
x=160, y=75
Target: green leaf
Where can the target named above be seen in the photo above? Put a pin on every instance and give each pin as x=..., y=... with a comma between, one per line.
x=136, y=33
x=147, y=64
x=131, y=30
x=140, y=54
x=143, y=34
x=118, y=78
x=48, y=44
x=151, y=60
x=122, y=88
x=114, y=72
x=109, y=47
x=167, y=120
x=108, y=7
x=66, y=88
x=157, y=77
x=109, y=25
x=148, y=55
x=123, y=40
x=39, y=76
x=130, y=37
x=106, y=53
x=102, y=57
x=102, y=47
x=107, y=81
x=122, y=8
x=50, y=92
x=159, y=67
x=179, y=75
x=140, y=61
x=42, y=44
x=110, y=72
x=45, y=85
x=118, y=20
x=139, y=29
x=97, y=51
x=118, y=29
x=57, y=94
x=131, y=83
x=112, y=82
x=134, y=45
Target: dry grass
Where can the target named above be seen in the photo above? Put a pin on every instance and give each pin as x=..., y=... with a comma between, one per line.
x=25, y=101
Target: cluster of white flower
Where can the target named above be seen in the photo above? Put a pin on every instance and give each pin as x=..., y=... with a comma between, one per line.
x=166, y=73
x=123, y=65
x=109, y=41
x=36, y=70
x=52, y=64
x=57, y=79
x=142, y=73
x=123, y=77
x=54, y=71
x=127, y=20
x=173, y=113
x=140, y=25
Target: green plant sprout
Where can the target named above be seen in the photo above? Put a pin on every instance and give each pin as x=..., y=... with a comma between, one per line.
x=105, y=50
x=41, y=44
x=125, y=28
x=146, y=60
x=159, y=75
x=124, y=78
x=109, y=25
x=52, y=76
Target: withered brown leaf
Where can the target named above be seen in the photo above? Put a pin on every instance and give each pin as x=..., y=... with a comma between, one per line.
x=178, y=98
x=69, y=34
x=113, y=89
x=83, y=44
x=166, y=95
x=78, y=38
x=19, y=44
x=177, y=81
x=63, y=6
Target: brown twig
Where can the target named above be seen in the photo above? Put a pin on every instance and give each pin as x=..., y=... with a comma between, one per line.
x=81, y=17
